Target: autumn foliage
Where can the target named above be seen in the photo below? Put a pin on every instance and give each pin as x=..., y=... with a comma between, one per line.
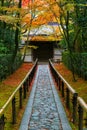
x=80, y=85
x=18, y=75
x=8, y=85
x=25, y=3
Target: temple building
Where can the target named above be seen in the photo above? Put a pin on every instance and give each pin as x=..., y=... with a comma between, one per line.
x=42, y=42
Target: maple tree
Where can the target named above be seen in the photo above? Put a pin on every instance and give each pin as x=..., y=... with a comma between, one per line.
x=39, y=13
x=21, y=16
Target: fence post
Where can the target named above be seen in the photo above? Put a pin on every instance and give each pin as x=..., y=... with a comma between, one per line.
x=20, y=97
x=74, y=101
x=80, y=111
x=27, y=84
x=86, y=120
x=31, y=76
x=29, y=80
x=67, y=98
x=57, y=80
x=24, y=85
x=13, y=110
x=62, y=89
x=2, y=122
x=59, y=83
x=56, y=77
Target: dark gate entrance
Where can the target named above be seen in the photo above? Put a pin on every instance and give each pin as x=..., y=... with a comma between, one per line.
x=44, y=51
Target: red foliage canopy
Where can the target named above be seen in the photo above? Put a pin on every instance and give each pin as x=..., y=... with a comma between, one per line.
x=25, y=3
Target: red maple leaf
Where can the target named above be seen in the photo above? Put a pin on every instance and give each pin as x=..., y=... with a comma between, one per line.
x=25, y=3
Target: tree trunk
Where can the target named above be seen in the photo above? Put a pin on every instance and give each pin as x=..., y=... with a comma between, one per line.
x=16, y=39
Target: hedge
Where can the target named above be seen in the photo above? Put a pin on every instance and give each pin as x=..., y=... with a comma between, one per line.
x=5, y=65
x=78, y=61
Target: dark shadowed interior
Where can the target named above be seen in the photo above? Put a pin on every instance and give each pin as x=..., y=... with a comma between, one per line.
x=44, y=50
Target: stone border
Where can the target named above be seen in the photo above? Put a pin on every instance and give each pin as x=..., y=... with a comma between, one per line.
x=61, y=111
x=28, y=110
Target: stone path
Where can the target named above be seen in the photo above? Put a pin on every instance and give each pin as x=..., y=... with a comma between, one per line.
x=44, y=110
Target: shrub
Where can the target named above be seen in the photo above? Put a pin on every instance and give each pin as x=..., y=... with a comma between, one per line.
x=79, y=61
x=5, y=64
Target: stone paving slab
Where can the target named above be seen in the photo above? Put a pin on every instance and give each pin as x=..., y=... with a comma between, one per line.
x=44, y=110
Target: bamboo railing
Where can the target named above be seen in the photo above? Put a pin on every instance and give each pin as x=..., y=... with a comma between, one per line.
x=76, y=106
x=22, y=89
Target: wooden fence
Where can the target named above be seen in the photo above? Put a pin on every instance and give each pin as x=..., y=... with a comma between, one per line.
x=22, y=89
x=76, y=106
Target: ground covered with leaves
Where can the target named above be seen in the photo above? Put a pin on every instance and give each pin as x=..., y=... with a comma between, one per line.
x=80, y=85
x=11, y=82
x=7, y=87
